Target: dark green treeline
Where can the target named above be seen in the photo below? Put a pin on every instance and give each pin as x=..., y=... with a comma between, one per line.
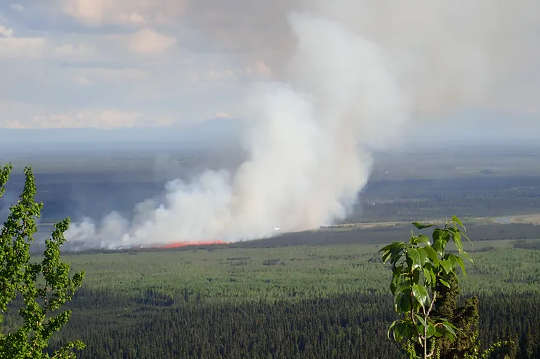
x=158, y=325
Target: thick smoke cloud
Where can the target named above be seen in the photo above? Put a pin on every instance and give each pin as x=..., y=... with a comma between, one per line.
x=308, y=147
x=453, y=54
x=448, y=55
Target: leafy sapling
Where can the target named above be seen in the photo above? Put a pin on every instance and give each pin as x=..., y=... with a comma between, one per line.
x=419, y=267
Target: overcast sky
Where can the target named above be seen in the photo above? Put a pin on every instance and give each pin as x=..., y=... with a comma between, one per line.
x=168, y=63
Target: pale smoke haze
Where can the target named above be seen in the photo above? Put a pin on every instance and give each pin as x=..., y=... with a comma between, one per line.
x=308, y=146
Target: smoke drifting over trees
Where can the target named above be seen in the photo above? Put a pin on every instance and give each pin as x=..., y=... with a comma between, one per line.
x=308, y=143
x=336, y=81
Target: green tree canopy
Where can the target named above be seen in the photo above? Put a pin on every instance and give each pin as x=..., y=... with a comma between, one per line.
x=38, y=288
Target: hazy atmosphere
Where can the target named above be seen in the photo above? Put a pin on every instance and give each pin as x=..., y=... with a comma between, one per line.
x=303, y=91
x=278, y=179
x=296, y=95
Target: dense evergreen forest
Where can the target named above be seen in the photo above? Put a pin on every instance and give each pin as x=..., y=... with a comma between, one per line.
x=344, y=326
x=317, y=301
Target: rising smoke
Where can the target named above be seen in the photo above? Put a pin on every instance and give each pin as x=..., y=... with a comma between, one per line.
x=308, y=147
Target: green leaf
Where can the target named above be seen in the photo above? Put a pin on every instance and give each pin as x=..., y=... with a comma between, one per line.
x=430, y=330
x=457, y=221
x=447, y=266
x=420, y=319
x=467, y=256
x=457, y=241
x=423, y=256
x=421, y=225
x=432, y=255
x=445, y=283
x=402, y=303
x=414, y=257
x=466, y=236
x=390, y=328
x=420, y=293
x=440, y=238
x=422, y=238
x=461, y=265
x=419, y=239
x=427, y=275
x=389, y=247
x=385, y=256
x=452, y=259
x=4, y=176
x=400, y=284
x=450, y=330
x=392, y=251
x=401, y=331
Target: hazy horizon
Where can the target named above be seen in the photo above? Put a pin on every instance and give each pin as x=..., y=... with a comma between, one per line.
x=171, y=64
x=269, y=102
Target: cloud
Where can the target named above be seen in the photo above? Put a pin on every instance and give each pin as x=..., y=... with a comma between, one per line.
x=17, y=7
x=111, y=76
x=122, y=12
x=88, y=11
x=101, y=119
x=452, y=58
x=40, y=47
x=224, y=115
x=29, y=48
x=6, y=32
x=148, y=41
x=97, y=12
x=447, y=59
x=74, y=51
x=22, y=47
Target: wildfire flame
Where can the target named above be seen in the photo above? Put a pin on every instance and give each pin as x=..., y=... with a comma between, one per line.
x=191, y=243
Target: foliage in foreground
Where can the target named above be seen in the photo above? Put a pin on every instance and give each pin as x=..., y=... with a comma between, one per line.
x=425, y=289
x=38, y=289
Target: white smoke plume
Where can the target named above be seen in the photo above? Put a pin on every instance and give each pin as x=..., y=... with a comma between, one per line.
x=308, y=151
